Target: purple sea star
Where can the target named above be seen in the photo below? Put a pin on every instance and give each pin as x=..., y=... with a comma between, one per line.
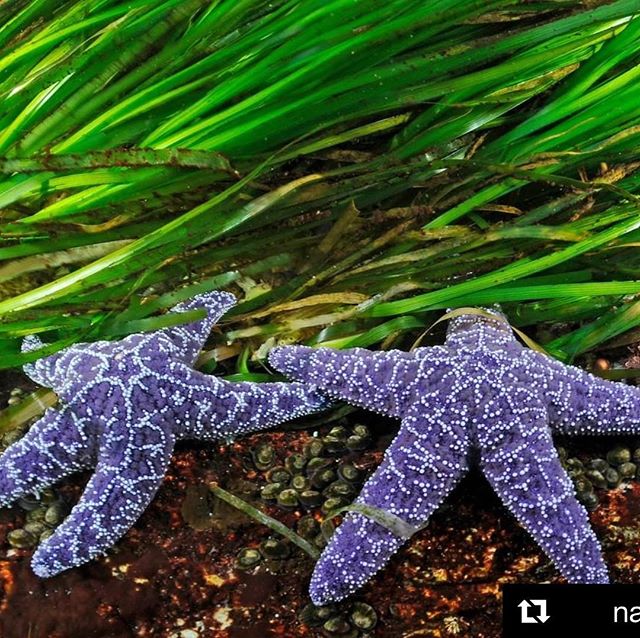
x=125, y=403
x=479, y=396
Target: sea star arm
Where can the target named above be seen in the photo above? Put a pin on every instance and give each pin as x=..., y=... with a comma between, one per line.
x=374, y=380
x=58, y=370
x=42, y=371
x=212, y=408
x=55, y=446
x=131, y=465
x=182, y=342
x=581, y=403
x=419, y=469
x=186, y=340
x=523, y=468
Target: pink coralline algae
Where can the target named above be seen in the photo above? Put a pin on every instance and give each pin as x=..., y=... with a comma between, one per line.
x=125, y=403
x=480, y=397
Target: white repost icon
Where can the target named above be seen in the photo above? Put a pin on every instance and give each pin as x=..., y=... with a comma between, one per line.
x=528, y=616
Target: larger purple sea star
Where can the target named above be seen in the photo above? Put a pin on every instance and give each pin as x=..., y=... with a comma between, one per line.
x=125, y=405
x=482, y=394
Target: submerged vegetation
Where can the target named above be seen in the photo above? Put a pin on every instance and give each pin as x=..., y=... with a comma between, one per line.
x=354, y=167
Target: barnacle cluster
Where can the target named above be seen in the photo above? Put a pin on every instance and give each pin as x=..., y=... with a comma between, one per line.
x=316, y=478
x=313, y=483
x=353, y=620
x=43, y=514
x=316, y=482
x=618, y=466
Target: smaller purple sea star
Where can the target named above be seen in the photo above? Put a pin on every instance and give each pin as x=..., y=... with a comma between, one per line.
x=482, y=394
x=125, y=405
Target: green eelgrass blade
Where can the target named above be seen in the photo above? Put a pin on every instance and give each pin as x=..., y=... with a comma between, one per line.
x=512, y=272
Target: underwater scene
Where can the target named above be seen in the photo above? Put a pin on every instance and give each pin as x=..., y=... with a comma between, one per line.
x=319, y=318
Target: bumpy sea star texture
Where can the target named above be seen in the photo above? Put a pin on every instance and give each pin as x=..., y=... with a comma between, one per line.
x=125, y=403
x=480, y=397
